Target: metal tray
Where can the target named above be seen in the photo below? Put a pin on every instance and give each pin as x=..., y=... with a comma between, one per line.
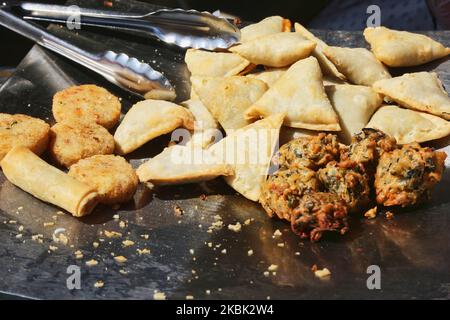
x=412, y=250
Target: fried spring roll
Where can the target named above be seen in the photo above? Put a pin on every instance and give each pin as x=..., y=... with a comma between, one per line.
x=47, y=183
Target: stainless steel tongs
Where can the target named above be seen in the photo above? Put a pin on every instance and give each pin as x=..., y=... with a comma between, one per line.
x=184, y=28
x=124, y=71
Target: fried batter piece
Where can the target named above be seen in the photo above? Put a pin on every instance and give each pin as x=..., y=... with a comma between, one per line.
x=318, y=213
x=311, y=152
x=348, y=181
x=282, y=191
x=406, y=176
x=367, y=147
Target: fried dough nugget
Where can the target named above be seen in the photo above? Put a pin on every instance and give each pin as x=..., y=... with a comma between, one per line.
x=87, y=103
x=282, y=191
x=317, y=213
x=406, y=176
x=348, y=181
x=312, y=152
x=112, y=176
x=73, y=141
x=22, y=130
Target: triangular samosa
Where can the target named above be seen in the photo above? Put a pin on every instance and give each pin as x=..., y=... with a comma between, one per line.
x=301, y=95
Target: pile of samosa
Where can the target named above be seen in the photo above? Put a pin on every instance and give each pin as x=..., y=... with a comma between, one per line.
x=290, y=83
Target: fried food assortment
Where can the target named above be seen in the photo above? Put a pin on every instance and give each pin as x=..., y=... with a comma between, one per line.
x=112, y=176
x=406, y=176
x=311, y=152
x=318, y=213
x=73, y=141
x=272, y=78
x=87, y=103
x=283, y=190
x=27, y=171
x=22, y=130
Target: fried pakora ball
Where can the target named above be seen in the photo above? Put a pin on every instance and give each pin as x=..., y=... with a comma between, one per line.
x=87, y=103
x=367, y=147
x=317, y=213
x=73, y=141
x=22, y=130
x=282, y=191
x=112, y=176
x=312, y=152
x=349, y=182
x=406, y=176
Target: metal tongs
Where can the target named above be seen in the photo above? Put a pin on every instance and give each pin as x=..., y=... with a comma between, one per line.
x=184, y=28
x=126, y=72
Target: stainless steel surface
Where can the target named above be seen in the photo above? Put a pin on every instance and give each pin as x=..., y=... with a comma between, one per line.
x=122, y=70
x=412, y=250
x=184, y=28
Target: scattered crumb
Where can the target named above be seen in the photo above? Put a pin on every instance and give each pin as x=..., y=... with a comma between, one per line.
x=371, y=213
x=281, y=244
x=143, y=251
x=78, y=254
x=112, y=234
x=99, y=284
x=145, y=236
x=122, y=224
x=189, y=297
x=124, y=272
x=91, y=263
x=48, y=224
x=297, y=253
x=266, y=273
x=191, y=251
x=95, y=244
x=19, y=236
x=159, y=296
x=12, y=222
x=127, y=243
x=389, y=215
x=208, y=292
x=277, y=234
x=250, y=252
x=210, y=244
x=273, y=267
x=20, y=208
x=224, y=251
x=178, y=211
x=235, y=227
x=52, y=248
x=120, y=259
x=20, y=228
x=38, y=238
x=60, y=213
x=247, y=222
x=116, y=217
x=322, y=274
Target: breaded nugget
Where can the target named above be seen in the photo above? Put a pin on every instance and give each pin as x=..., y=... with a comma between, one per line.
x=73, y=141
x=22, y=130
x=87, y=103
x=112, y=176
